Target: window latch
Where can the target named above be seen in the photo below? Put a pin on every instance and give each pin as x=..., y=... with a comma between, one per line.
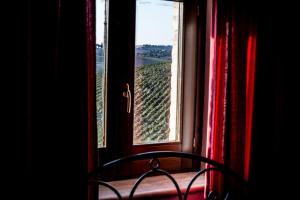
x=127, y=95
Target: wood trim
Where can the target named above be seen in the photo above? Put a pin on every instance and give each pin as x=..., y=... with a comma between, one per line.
x=201, y=44
x=176, y=146
x=189, y=78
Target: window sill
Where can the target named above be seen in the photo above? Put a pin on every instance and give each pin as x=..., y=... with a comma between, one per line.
x=154, y=187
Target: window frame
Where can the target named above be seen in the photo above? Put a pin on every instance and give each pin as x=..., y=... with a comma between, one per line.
x=122, y=17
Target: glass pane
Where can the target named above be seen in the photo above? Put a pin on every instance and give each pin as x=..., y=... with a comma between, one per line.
x=157, y=71
x=101, y=49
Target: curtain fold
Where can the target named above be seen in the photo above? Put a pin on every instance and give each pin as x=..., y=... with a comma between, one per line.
x=232, y=78
x=91, y=67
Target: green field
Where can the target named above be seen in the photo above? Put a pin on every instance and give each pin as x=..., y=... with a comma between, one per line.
x=100, y=106
x=151, y=103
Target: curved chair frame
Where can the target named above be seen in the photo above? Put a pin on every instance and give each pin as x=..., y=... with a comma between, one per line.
x=155, y=169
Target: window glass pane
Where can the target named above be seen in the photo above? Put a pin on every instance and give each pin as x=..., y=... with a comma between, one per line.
x=157, y=71
x=101, y=49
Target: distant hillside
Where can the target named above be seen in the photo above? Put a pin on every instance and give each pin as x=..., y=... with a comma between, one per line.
x=154, y=51
x=145, y=54
x=151, y=54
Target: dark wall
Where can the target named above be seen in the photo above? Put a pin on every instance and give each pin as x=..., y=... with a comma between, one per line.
x=12, y=95
x=58, y=98
x=275, y=112
x=45, y=98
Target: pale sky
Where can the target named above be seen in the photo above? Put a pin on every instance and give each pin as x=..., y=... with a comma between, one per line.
x=99, y=21
x=153, y=22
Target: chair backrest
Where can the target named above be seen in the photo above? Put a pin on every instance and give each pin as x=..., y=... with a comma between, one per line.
x=154, y=168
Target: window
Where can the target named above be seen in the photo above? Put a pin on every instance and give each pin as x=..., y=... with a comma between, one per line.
x=157, y=83
x=147, y=80
x=101, y=69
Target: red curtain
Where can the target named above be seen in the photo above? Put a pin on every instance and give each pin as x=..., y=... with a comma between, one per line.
x=91, y=66
x=231, y=91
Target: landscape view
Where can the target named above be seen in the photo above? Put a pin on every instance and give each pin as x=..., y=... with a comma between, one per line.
x=156, y=71
x=151, y=95
x=100, y=78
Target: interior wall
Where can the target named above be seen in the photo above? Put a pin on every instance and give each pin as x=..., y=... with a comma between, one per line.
x=274, y=139
x=46, y=98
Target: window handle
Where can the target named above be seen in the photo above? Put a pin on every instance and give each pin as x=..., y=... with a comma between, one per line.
x=127, y=94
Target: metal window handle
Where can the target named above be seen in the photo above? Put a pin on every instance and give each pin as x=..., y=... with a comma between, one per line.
x=127, y=94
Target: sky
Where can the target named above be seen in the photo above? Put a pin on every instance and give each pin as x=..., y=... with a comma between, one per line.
x=154, y=20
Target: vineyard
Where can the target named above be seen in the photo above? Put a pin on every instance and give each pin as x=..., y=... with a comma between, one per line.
x=152, y=103
x=152, y=94
x=100, y=107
